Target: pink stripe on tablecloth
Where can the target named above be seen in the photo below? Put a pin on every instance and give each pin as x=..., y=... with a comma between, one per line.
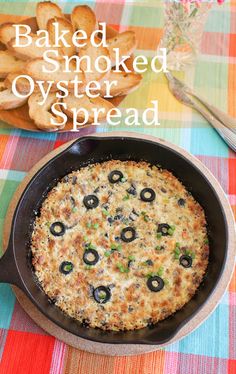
x=58, y=357
x=9, y=152
x=232, y=325
x=171, y=363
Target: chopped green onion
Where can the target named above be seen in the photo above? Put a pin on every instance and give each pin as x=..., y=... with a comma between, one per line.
x=159, y=235
x=160, y=271
x=96, y=226
x=126, y=197
x=74, y=209
x=131, y=258
x=91, y=246
x=105, y=212
x=121, y=268
x=166, y=282
x=68, y=267
x=123, y=180
x=107, y=253
x=149, y=275
x=172, y=227
x=206, y=241
x=116, y=247
x=102, y=295
x=88, y=267
x=158, y=248
x=89, y=225
x=86, y=238
x=170, y=232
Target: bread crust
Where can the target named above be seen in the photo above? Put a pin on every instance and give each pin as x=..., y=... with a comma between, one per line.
x=45, y=11
x=83, y=18
x=42, y=115
x=8, y=100
x=88, y=104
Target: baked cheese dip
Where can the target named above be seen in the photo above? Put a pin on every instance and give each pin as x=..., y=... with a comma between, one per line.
x=120, y=245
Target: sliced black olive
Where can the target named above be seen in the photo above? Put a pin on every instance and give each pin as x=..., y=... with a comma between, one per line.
x=128, y=234
x=66, y=267
x=163, y=228
x=186, y=261
x=110, y=220
x=101, y=294
x=91, y=201
x=91, y=257
x=65, y=179
x=57, y=229
x=132, y=190
x=181, y=202
x=96, y=190
x=149, y=262
x=74, y=180
x=118, y=217
x=72, y=200
x=147, y=194
x=155, y=283
x=115, y=176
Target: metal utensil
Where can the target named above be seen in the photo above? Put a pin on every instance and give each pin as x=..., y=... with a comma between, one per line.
x=176, y=87
x=226, y=119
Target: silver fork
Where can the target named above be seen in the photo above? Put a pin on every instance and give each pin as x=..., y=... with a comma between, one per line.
x=177, y=88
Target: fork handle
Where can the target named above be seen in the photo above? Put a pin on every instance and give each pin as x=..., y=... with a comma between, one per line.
x=228, y=135
x=225, y=118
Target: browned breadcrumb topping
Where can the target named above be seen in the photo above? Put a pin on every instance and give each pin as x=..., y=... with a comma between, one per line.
x=122, y=268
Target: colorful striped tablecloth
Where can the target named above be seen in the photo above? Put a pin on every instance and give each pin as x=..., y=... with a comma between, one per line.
x=211, y=349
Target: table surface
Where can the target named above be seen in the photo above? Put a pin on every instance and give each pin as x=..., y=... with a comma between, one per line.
x=211, y=349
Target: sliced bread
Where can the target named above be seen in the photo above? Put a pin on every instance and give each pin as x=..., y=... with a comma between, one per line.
x=9, y=63
x=93, y=53
x=42, y=115
x=63, y=25
x=125, y=83
x=88, y=104
x=83, y=18
x=126, y=42
x=8, y=100
x=34, y=68
x=7, y=32
x=33, y=50
x=46, y=10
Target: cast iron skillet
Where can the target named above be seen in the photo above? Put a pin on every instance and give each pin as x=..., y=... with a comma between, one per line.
x=15, y=265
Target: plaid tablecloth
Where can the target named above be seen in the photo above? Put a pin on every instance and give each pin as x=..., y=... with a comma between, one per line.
x=211, y=349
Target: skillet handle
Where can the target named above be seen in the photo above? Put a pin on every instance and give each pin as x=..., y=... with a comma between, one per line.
x=8, y=269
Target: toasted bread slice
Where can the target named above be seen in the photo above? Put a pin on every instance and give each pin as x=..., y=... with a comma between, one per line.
x=23, y=85
x=9, y=63
x=63, y=25
x=8, y=100
x=93, y=53
x=42, y=115
x=83, y=18
x=32, y=51
x=125, y=83
x=89, y=104
x=126, y=42
x=46, y=10
x=34, y=68
x=7, y=32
